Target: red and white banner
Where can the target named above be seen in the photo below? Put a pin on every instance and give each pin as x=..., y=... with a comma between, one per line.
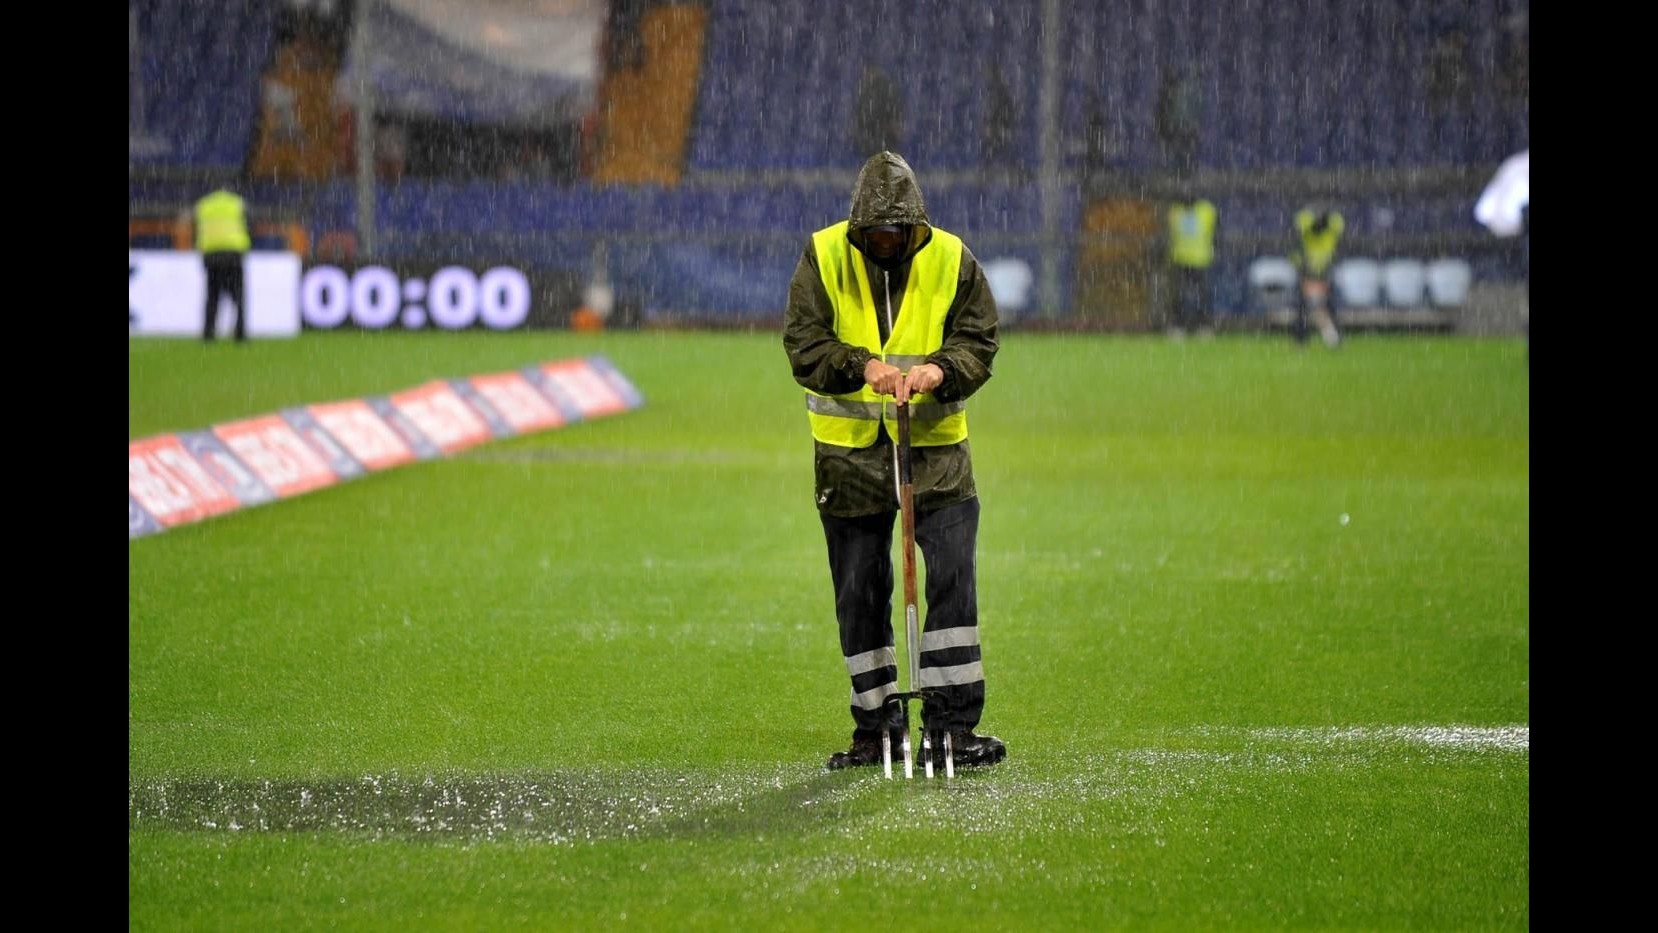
x=174, y=479
x=363, y=434
x=171, y=485
x=276, y=453
x=519, y=403
x=584, y=387
x=441, y=415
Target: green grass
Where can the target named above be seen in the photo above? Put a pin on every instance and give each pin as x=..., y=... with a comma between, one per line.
x=615, y=643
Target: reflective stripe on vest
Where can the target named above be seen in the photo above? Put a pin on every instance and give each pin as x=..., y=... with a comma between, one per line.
x=219, y=224
x=851, y=420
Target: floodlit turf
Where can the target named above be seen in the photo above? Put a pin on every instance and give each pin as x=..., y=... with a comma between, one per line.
x=1255, y=622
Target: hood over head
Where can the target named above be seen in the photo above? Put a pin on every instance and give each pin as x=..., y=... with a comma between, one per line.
x=887, y=194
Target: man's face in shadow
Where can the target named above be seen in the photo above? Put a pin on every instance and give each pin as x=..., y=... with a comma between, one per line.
x=886, y=242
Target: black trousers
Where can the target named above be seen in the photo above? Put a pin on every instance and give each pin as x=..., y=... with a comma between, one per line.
x=1305, y=306
x=860, y=563
x=224, y=276
x=1191, y=297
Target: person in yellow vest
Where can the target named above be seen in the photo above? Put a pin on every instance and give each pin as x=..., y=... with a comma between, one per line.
x=223, y=241
x=1318, y=232
x=885, y=309
x=1191, y=253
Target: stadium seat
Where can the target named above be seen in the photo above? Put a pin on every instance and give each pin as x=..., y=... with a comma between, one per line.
x=1404, y=281
x=1011, y=281
x=1358, y=282
x=1448, y=282
x=1272, y=282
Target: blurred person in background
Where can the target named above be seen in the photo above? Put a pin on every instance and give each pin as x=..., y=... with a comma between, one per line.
x=885, y=308
x=1191, y=252
x=1001, y=118
x=1317, y=234
x=878, y=113
x=1179, y=118
x=223, y=241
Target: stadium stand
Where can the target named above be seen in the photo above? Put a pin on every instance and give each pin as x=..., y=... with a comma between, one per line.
x=197, y=72
x=730, y=140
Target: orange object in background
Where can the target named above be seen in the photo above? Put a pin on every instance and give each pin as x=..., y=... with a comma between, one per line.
x=297, y=132
x=648, y=110
x=337, y=246
x=584, y=319
x=178, y=229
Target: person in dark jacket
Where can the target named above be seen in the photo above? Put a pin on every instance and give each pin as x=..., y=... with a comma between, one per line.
x=885, y=309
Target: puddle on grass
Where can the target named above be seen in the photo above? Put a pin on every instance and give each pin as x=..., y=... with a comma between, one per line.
x=1037, y=795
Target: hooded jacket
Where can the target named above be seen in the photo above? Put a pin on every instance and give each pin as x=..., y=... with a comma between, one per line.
x=852, y=481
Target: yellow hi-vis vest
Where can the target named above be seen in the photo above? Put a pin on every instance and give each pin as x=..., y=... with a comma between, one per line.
x=851, y=420
x=1192, y=234
x=1317, y=249
x=220, y=227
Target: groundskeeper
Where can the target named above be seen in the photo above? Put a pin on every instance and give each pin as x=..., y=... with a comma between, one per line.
x=886, y=309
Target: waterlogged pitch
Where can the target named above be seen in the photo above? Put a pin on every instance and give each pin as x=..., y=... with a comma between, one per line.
x=1255, y=625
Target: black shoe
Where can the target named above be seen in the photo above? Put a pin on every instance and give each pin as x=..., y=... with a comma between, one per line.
x=973, y=751
x=864, y=752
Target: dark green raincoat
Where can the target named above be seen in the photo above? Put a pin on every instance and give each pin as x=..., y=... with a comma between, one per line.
x=859, y=481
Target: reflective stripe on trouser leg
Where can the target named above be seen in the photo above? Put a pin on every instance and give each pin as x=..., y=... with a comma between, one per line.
x=860, y=564
x=951, y=671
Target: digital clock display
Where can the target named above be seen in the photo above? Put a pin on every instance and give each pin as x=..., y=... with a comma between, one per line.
x=376, y=297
